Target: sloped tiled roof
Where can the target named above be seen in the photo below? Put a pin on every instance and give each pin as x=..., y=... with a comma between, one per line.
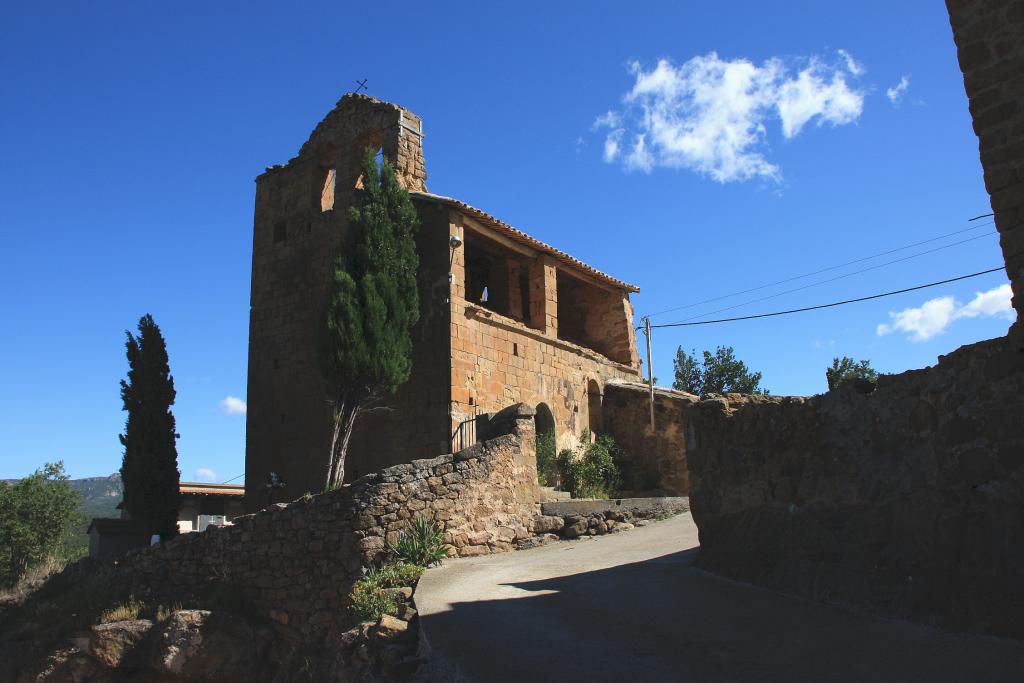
x=205, y=489
x=519, y=236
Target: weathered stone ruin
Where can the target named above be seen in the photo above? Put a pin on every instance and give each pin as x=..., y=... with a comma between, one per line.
x=907, y=498
x=277, y=584
x=504, y=318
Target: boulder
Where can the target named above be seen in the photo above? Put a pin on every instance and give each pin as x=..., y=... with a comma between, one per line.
x=390, y=628
x=110, y=643
x=543, y=524
x=211, y=645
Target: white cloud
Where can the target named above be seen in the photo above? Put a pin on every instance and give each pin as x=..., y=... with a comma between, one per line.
x=611, y=145
x=710, y=115
x=852, y=65
x=994, y=302
x=931, y=318
x=205, y=474
x=232, y=405
x=896, y=93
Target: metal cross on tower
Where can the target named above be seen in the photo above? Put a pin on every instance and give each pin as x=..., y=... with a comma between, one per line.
x=362, y=85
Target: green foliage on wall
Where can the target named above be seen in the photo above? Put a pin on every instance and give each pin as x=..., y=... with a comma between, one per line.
x=845, y=369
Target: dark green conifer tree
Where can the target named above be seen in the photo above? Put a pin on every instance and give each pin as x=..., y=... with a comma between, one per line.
x=149, y=469
x=373, y=304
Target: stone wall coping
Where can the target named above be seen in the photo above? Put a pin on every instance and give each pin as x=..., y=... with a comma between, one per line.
x=488, y=316
x=640, y=507
x=658, y=391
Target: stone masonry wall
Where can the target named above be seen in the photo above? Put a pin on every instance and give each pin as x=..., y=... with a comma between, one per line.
x=657, y=459
x=909, y=499
x=296, y=563
x=991, y=53
x=497, y=361
x=295, y=237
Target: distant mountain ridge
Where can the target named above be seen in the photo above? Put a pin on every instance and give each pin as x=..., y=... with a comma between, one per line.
x=100, y=495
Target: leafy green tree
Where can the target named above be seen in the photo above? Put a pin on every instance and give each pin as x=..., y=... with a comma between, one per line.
x=373, y=304
x=36, y=515
x=844, y=369
x=719, y=373
x=149, y=469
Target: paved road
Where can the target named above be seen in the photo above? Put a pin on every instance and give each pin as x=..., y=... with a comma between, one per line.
x=631, y=608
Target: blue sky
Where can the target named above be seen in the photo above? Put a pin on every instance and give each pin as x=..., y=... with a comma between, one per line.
x=132, y=136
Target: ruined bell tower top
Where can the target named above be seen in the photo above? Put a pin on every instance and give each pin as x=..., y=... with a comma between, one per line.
x=340, y=140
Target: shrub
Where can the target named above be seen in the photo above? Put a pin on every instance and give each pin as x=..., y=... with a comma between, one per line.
x=370, y=602
x=36, y=514
x=421, y=544
x=637, y=474
x=394, y=575
x=590, y=471
x=547, y=460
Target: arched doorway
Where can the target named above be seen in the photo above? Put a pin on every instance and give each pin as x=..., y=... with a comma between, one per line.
x=547, y=445
x=594, y=419
x=545, y=420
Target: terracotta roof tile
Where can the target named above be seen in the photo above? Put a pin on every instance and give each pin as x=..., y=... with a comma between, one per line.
x=523, y=238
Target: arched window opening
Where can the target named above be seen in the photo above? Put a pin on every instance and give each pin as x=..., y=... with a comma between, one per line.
x=379, y=157
x=594, y=417
x=546, y=447
x=327, y=192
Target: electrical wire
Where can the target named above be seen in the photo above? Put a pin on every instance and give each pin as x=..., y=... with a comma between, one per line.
x=838, y=277
x=825, y=270
x=233, y=478
x=830, y=305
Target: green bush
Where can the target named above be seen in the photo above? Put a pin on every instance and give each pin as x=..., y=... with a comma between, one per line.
x=590, y=471
x=36, y=515
x=370, y=602
x=637, y=474
x=394, y=575
x=421, y=544
x=547, y=460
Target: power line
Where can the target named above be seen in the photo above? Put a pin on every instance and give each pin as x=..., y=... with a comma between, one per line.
x=233, y=478
x=831, y=305
x=825, y=270
x=838, y=277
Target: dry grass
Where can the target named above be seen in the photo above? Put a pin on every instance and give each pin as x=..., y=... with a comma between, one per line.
x=138, y=609
x=33, y=579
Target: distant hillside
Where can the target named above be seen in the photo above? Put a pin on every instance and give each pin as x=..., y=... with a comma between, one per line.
x=100, y=495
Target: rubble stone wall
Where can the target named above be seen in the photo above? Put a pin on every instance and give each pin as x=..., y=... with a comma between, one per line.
x=908, y=499
x=991, y=55
x=657, y=458
x=296, y=563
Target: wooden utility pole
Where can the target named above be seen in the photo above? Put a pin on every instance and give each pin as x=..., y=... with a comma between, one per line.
x=650, y=370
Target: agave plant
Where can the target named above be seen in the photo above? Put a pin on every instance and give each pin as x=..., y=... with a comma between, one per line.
x=421, y=544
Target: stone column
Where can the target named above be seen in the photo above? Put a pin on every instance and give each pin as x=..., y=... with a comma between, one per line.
x=544, y=295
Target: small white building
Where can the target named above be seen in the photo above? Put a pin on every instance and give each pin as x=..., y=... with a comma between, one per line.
x=204, y=504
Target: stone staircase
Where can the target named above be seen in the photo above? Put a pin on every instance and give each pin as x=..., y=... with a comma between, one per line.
x=550, y=495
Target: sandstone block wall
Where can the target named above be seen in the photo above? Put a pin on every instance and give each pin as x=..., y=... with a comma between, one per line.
x=296, y=563
x=657, y=457
x=991, y=55
x=497, y=360
x=909, y=499
x=300, y=221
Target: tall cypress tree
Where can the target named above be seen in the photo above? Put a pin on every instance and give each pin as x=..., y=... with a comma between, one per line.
x=366, y=340
x=149, y=469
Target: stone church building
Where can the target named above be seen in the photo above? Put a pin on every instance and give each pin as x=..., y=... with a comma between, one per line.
x=504, y=318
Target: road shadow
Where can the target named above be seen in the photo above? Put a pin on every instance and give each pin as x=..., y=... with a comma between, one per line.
x=664, y=620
